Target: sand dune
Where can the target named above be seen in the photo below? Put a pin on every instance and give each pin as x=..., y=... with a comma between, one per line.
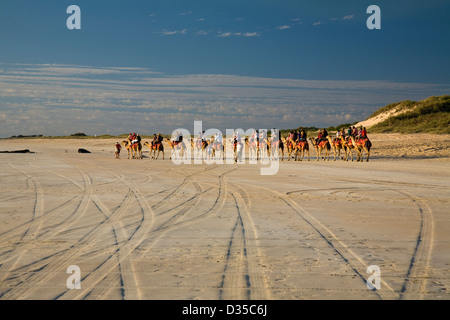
x=146, y=229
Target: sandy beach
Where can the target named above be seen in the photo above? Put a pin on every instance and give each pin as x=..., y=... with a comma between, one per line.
x=151, y=229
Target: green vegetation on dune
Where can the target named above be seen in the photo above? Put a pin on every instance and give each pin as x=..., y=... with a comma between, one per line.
x=431, y=115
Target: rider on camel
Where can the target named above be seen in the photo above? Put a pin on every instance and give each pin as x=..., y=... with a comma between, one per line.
x=362, y=133
x=255, y=136
x=199, y=140
x=134, y=138
x=155, y=139
x=302, y=136
x=323, y=134
x=236, y=138
x=263, y=136
x=178, y=138
x=218, y=139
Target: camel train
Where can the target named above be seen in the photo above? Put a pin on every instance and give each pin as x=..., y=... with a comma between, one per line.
x=344, y=148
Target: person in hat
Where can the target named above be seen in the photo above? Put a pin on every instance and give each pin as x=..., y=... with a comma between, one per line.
x=159, y=138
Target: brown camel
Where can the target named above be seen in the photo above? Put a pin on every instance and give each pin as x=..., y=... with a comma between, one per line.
x=264, y=148
x=137, y=150
x=201, y=150
x=337, y=147
x=301, y=147
x=253, y=148
x=273, y=147
x=179, y=146
x=158, y=146
x=130, y=150
x=320, y=146
x=362, y=144
x=348, y=146
x=289, y=147
x=216, y=146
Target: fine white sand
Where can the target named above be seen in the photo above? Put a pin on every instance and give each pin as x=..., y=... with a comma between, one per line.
x=151, y=229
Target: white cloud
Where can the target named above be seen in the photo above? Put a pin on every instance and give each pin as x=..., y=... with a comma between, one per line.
x=283, y=27
x=203, y=32
x=252, y=34
x=238, y=34
x=224, y=34
x=174, y=32
x=349, y=17
x=318, y=23
x=34, y=102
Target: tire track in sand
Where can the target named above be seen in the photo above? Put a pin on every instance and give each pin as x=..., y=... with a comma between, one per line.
x=178, y=218
x=356, y=264
x=127, y=248
x=242, y=278
x=22, y=247
x=125, y=245
x=419, y=267
x=64, y=258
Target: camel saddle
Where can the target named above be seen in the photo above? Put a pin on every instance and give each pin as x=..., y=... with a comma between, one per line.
x=323, y=144
x=362, y=141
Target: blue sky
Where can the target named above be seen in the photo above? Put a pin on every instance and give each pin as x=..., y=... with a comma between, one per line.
x=229, y=63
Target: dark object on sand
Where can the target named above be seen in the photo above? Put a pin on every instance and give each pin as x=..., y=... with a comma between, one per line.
x=17, y=151
x=81, y=150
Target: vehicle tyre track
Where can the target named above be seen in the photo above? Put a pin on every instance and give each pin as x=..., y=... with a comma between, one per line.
x=418, y=270
x=242, y=279
x=357, y=265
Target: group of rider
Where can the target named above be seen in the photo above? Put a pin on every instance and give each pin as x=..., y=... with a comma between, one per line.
x=136, y=138
x=217, y=140
x=157, y=139
x=298, y=136
x=294, y=136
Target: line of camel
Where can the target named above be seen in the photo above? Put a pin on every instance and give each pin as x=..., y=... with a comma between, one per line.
x=296, y=150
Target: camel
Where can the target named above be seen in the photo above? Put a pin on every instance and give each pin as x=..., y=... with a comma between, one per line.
x=126, y=145
x=157, y=146
x=216, y=146
x=337, y=147
x=253, y=148
x=137, y=148
x=301, y=147
x=322, y=145
x=264, y=148
x=134, y=150
x=180, y=146
x=289, y=146
x=349, y=146
x=201, y=150
x=273, y=147
x=362, y=144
